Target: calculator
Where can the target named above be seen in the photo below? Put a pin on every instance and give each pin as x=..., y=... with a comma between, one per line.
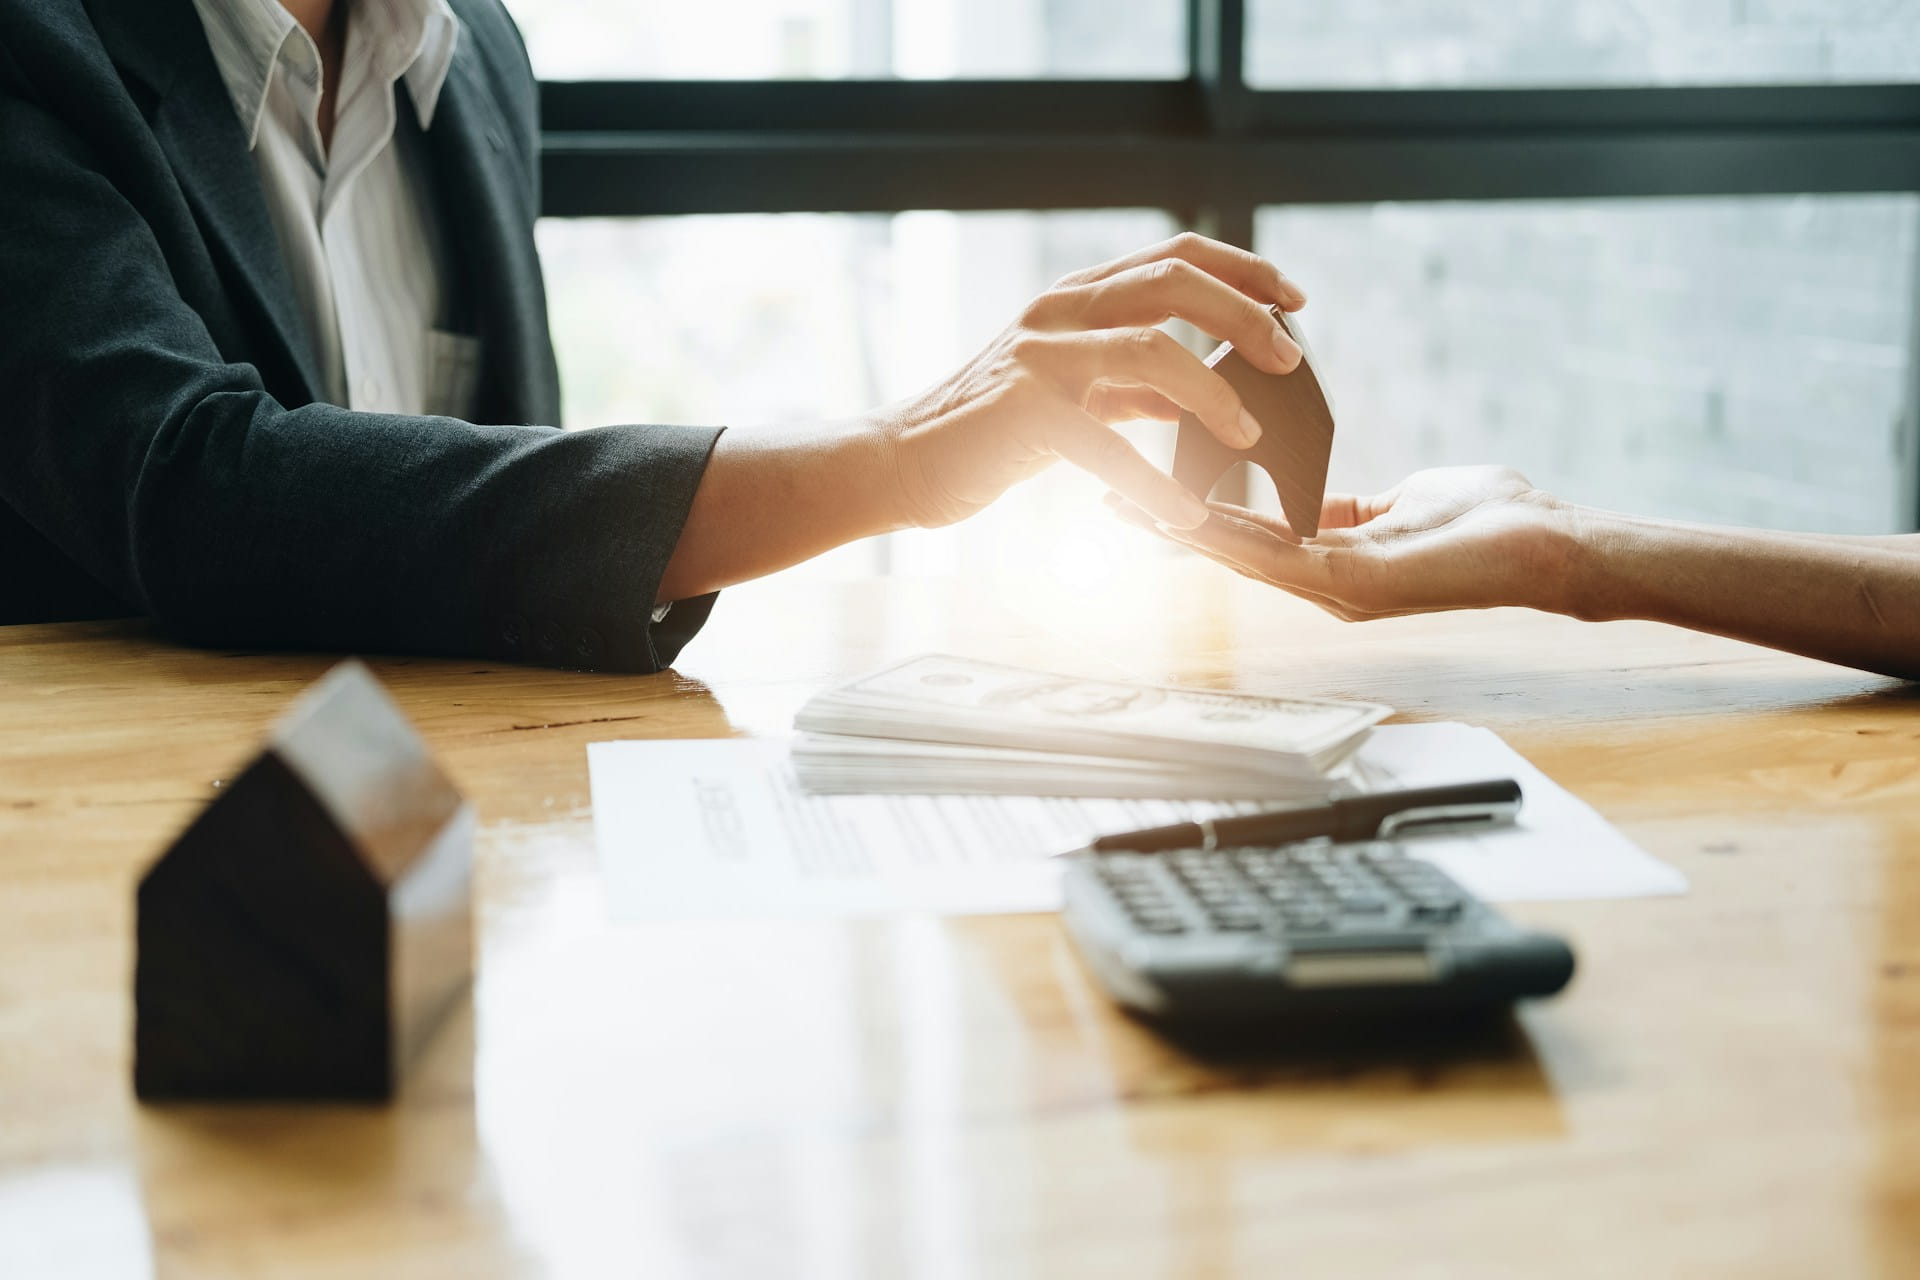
x=1312, y=928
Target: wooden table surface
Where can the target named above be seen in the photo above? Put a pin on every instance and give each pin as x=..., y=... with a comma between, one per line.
x=1730, y=1087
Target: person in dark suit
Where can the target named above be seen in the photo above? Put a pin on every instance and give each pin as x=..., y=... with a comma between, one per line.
x=263, y=267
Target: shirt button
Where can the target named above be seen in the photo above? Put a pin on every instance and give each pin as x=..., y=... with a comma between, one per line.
x=548, y=639
x=367, y=391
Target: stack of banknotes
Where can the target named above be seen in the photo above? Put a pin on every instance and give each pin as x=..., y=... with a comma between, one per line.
x=946, y=725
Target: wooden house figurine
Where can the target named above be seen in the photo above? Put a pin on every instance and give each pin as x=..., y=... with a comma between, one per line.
x=307, y=932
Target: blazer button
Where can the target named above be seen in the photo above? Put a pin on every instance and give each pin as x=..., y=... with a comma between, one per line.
x=548, y=639
x=513, y=632
x=588, y=646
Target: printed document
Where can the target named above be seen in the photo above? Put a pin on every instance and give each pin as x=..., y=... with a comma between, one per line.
x=718, y=827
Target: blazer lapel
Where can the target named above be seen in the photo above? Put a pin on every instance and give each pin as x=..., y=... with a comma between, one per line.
x=162, y=42
x=485, y=205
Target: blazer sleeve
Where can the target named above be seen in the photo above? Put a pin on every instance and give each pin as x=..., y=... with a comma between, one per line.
x=174, y=478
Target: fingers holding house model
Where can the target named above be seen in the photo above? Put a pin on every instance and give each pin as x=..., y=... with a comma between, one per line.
x=1085, y=354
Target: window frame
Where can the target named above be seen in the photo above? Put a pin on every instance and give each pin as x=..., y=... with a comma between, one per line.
x=1209, y=148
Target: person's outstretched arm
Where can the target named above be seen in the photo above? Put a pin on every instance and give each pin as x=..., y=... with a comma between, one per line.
x=1481, y=537
x=1084, y=354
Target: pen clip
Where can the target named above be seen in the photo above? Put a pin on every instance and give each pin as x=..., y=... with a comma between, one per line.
x=1446, y=817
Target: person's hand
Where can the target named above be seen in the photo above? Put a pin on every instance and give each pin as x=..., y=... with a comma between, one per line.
x=1451, y=538
x=1085, y=354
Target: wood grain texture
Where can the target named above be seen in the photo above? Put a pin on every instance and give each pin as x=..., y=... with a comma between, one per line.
x=1731, y=1086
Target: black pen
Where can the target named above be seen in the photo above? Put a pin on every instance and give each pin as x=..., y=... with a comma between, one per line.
x=1376, y=815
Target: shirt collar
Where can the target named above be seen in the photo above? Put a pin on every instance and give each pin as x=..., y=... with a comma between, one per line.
x=249, y=38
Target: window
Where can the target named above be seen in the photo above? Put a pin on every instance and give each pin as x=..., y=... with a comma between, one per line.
x=1526, y=239
x=765, y=318
x=826, y=39
x=1737, y=360
x=1454, y=43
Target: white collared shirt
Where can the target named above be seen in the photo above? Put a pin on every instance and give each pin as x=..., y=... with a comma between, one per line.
x=355, y=221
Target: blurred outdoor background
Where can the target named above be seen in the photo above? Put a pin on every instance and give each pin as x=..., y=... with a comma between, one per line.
x=1737, y=359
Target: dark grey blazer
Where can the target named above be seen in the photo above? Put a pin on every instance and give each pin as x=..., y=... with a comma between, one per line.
x=161, y=447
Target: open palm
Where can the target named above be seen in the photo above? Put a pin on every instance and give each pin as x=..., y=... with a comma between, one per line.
x=1449, y=538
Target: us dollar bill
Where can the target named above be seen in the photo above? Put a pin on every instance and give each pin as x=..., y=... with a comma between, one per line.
x=942, y=698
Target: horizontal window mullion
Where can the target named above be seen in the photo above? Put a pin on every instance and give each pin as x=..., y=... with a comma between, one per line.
x=693, y=173
x=644, y=173
x=1395, y=112
x=1181, y=108
x=875, y=106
